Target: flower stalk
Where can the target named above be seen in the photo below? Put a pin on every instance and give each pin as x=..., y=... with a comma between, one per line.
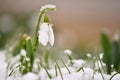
x=43, y=10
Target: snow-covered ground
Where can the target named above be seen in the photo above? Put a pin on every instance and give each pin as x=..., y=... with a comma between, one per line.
x=85, y=73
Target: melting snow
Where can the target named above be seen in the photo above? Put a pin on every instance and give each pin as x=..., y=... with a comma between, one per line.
x=85, y=74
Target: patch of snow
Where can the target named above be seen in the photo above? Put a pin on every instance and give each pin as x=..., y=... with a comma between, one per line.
x=78, y=63
x=2, y=56
x=3, y=65
x=30, y=76
x=85, y=74
x=116, y=77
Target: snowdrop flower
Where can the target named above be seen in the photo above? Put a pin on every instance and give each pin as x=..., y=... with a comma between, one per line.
x=27, y=59
x=23, y=52
x=46, y=34
x=49, y=6
x=112, y=66
x=68, y=51
x=117, y=36
x=101, y=56
x=88, y=55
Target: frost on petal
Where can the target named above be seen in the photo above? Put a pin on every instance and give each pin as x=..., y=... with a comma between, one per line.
x=51, y=35
x=43, y=34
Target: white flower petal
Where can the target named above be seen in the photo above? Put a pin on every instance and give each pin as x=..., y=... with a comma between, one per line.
x=43, y=34
x=88, y=55
x=23, y=52
x=68, y=51
x=51, y=35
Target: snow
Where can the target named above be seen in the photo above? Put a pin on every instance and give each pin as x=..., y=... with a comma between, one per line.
x=30, y=76
x=117, y=77
x=78, y=63
x=3, y=65
x=86, y=73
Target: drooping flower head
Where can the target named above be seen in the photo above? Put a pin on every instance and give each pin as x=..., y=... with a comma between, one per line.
x=88, y=55
x=48, y=6
x=46, y=34
x=39, y=31
x=68, y=51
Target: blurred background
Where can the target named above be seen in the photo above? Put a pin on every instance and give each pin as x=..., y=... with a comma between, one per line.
x=77, y=23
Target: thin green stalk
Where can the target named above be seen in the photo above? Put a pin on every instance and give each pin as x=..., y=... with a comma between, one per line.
x=56, y=73
x=38, y=63
x=101, y=63
x=65, y=66
x=113, y=76
x=79, y=69
x=47, y=72
x=35, y=41
x=70, y=58
x=46, y=58
x=59, y=71
x=100, y=70
x=11, y=72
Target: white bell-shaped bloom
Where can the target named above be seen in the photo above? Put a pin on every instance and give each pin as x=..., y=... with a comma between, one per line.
x=46, y=34
x=68, y=51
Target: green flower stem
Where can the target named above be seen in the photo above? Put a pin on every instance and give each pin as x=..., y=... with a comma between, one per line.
x=101, y=63
x=70, y=58
x=38, y=63
x=65, y=66
x=79, y=69
x=47, y=72
x=56, y=70
x=30, y=53
x=113, y=76
x=46, y=58
x=35, y=41
x=59, y=70
x=100, y=70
